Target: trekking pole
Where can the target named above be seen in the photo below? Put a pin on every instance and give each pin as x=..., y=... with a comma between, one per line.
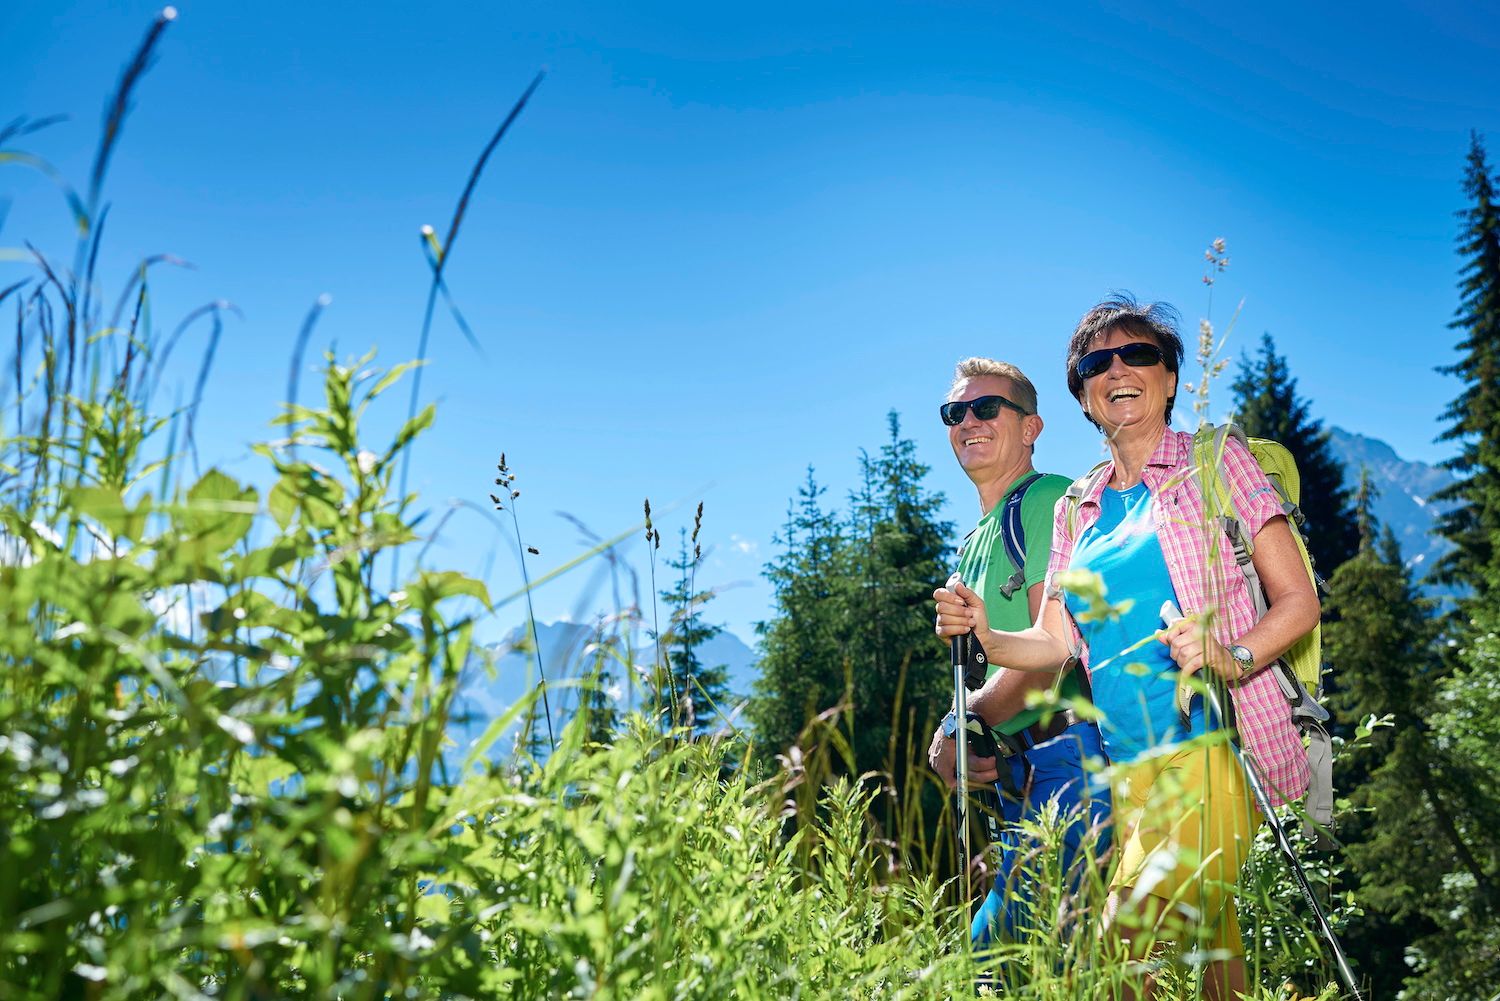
x=1170, y=614
x=970, y=667
x=958, y=649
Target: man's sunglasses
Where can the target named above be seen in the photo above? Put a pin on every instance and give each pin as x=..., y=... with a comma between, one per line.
x=986, y=408
x=1137, y=354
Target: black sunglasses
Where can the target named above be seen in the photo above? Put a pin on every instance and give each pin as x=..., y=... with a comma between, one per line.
x=986, y=408
x=1137, y=354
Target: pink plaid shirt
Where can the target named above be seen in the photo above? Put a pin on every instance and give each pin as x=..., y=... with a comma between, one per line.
x=1262, y=715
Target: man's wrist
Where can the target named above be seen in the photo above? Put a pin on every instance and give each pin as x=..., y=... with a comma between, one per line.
x=950, y=724
x=985, y=637
x=949, y=728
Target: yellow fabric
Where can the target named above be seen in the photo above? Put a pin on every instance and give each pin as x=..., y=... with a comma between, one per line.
x=1185, y=822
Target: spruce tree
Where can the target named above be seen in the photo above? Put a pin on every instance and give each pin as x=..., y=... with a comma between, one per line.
x=602, y=694
x=1474, y=415
x=1463, y=960
x=853, y=622
x=1267, y=406
x=1457, y=740
x=900, y=553
x=698, y=700
x=802, y=665
x=1419, y=839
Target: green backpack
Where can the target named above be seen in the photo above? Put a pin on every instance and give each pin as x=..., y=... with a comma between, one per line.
x=1305, y=658
x=1299, y=671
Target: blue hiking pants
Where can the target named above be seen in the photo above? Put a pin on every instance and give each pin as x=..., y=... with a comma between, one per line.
x=1051, y=770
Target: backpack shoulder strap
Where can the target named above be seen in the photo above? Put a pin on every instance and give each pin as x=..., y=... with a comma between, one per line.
x=959, y=555
x=1078, y=490
x=1013, y=536
x=1209, y=443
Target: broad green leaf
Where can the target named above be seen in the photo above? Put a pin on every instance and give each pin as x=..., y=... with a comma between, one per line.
x=218, y=513
x=433, y=586
x=264, y=562
x=321, y=498
x=283, y=501
x=108, y=508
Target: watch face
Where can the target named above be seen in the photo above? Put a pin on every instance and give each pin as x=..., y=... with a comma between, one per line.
x=1242, y=654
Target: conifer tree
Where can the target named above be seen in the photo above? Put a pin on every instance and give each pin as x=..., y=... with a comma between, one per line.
x=899, y=554
x=1474, y=415
x=701, y=690
x=601, y=697
x=802, y=664
x=1421, y=842
x=1463, y=959
x=1267, y=406
x=853, y=623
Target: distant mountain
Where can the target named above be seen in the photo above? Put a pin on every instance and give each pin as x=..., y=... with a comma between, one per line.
x=501, y=674
x=738, y=659
x=1404, y=500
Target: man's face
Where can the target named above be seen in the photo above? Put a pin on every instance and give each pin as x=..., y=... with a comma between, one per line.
x=993, y=446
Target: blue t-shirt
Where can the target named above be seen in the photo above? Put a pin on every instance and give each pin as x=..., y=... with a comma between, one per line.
x=1136, y=691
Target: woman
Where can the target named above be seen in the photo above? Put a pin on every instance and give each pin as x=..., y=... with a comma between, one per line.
x=1184, y=818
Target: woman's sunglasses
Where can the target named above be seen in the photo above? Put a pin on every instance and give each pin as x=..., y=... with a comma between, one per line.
x=986, y=408
x=1137, y=354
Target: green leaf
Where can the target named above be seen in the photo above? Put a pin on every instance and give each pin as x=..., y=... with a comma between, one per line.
x=106, y=506
x=253, y=610
x=317, y=495
x=433, y=586
x=410, y=430
x=264, y=562
x=492, y=733
x=283, y=500
x=218, y=514
x=388, y=380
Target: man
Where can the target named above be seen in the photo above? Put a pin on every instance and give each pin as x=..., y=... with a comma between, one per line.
x=993, y=426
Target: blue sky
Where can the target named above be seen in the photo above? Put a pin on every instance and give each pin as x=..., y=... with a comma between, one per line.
x=723, y=242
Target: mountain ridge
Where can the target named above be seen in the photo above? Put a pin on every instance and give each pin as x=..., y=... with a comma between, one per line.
x=1403, y=501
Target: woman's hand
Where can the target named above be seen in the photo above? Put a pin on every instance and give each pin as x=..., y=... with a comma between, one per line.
x=1193, y=648
x=959, y=610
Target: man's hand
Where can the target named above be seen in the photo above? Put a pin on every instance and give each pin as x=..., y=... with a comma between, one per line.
x=942, y=755
x=959, y=610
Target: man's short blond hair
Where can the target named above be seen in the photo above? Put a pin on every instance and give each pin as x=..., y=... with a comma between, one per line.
x=1021, y=389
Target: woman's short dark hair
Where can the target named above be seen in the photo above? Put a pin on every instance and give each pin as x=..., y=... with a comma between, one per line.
x=1156, y=321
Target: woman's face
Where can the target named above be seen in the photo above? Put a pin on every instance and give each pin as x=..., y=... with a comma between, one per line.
x=1126, y=398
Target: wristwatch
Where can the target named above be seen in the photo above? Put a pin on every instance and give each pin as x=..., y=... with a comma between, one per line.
x=1243, y=658
x=950, y=725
